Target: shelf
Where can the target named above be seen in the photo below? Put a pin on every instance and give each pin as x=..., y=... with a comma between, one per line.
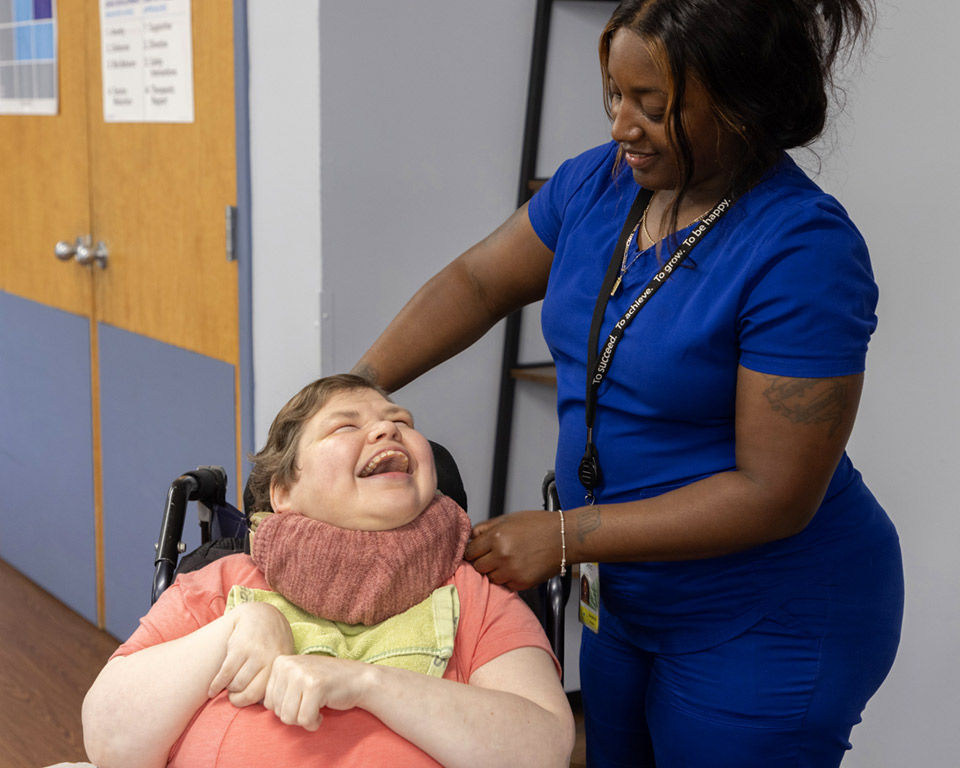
x=541, y=374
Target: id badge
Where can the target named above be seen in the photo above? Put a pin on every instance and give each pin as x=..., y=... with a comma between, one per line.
x=590, y=595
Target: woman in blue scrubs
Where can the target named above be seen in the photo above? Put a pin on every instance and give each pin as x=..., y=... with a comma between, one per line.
x=708, y=308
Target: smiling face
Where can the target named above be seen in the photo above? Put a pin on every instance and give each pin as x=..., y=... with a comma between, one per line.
x=360, y=465
x=639, y=95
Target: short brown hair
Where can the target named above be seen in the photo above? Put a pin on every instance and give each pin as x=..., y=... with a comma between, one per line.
x=277, y=460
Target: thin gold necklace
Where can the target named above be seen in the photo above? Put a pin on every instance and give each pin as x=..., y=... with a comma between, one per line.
x=643, y=220
x=626, y=249
x=642, y=225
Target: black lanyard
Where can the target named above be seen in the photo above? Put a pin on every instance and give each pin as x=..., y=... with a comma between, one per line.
x=598, y=362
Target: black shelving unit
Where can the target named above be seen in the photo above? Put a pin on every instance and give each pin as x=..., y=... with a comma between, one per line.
x=511, y=367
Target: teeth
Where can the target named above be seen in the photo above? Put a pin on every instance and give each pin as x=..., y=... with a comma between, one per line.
x=396, y=461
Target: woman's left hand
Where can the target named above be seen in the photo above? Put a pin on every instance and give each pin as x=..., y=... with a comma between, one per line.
x=519, y=550
x=300, y=686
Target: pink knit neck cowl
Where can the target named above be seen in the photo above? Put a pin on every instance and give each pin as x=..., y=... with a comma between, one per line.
x=361, y=577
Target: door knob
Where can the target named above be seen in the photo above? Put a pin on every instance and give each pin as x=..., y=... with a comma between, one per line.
x=86, y=255
x=66, y=251
x=82, y=252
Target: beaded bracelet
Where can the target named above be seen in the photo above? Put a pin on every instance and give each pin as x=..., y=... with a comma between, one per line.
x=563, y=546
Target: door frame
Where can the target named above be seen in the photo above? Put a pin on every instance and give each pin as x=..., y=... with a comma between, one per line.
x=243, y=236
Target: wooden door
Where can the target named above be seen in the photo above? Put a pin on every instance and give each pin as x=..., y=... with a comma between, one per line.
x=165, y=306
x=44, y=194
x=47, y=508
x=162, y=383
x=160, y=193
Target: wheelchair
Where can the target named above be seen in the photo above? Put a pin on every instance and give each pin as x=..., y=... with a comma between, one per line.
x=224, y=531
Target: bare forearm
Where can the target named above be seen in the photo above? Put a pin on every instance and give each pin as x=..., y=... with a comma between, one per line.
x=140, y=704
x=720, y=515
x=443, y=318
x=505, y=271
x=467, y=725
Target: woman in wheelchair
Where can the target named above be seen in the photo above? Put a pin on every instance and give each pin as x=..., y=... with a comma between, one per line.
x=353, y=635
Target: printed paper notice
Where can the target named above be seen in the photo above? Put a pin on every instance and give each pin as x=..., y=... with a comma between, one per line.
x=147, y=54
x=28, y=57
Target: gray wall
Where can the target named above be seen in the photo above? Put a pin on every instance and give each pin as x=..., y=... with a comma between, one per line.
x=411, y=114
x=895, y=157
x=419, y=160
x=285, y=189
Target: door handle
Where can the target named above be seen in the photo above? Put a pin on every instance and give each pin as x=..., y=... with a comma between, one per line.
x=66, y=251
x=81, y=252
x=87, y=255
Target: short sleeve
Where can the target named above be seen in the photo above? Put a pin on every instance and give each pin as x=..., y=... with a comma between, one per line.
x=493, y=621
x=548, y=206
x=194, y=600
x=809, y=304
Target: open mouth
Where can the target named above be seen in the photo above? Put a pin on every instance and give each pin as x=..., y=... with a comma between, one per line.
x=387, y=461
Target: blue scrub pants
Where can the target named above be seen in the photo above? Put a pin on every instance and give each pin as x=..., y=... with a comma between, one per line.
x=786, y=693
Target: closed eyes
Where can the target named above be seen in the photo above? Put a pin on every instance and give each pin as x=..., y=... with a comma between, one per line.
x=343, y=428
x=616, y=100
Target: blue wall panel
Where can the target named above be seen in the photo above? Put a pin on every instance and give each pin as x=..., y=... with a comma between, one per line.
x=163, y=411
x=46, y=466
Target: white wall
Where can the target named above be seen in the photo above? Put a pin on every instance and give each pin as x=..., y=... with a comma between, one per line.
x=422, y=111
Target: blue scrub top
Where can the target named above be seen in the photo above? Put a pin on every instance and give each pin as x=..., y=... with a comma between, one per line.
x=781, y=285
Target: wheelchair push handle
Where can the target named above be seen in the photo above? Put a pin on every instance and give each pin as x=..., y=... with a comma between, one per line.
x=205, y=485
x=210, y=487
x=555, y=592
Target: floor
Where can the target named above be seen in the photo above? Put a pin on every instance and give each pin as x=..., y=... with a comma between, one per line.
x=49, y=656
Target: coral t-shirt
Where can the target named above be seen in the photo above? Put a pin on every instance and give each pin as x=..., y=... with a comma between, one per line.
x=493, y=620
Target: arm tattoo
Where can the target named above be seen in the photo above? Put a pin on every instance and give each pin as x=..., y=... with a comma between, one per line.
x=808, y=401
x=587, y=522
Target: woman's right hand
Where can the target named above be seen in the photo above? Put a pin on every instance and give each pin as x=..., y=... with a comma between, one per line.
x=518, y=550
x=260, y=634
